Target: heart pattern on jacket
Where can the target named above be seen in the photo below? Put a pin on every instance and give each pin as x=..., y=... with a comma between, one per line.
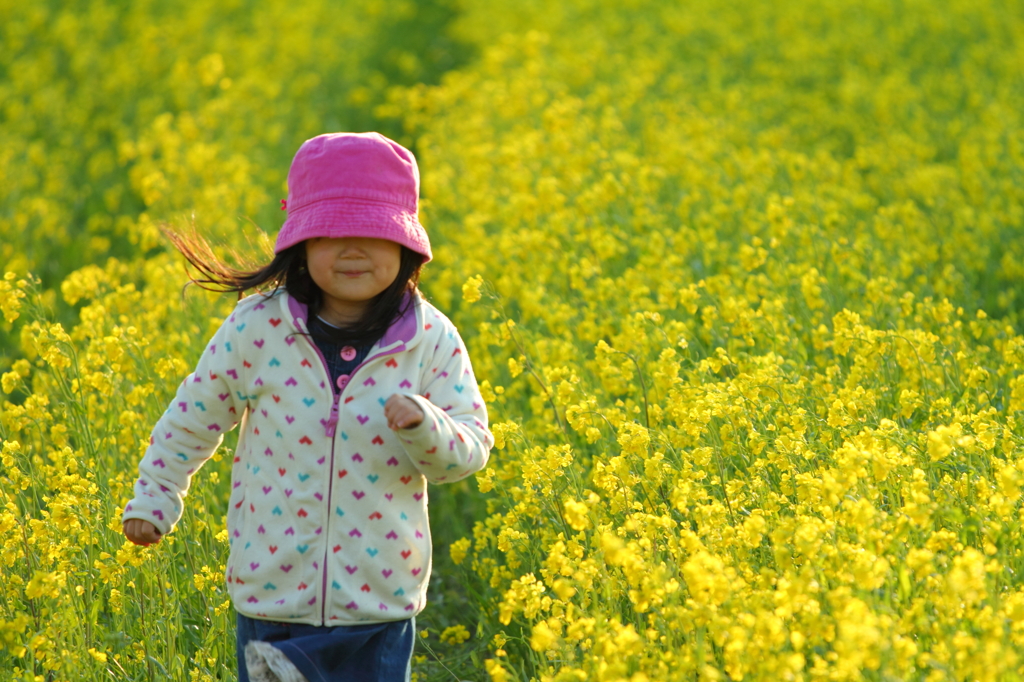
x=290, y=477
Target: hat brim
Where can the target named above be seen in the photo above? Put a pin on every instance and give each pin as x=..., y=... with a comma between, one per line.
x=334, y=218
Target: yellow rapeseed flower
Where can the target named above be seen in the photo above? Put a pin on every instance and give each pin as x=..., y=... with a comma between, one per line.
x=576, y=513
x=542, y=637
x=471, y=289
x=456, y=634
x=458, y=550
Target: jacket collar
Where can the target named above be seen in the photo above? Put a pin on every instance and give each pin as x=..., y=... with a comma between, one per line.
x=404, y=330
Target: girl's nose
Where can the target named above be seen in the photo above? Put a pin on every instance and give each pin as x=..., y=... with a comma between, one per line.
x=351, y=250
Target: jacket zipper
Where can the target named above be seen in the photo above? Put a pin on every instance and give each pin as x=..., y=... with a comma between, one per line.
x=330, y=429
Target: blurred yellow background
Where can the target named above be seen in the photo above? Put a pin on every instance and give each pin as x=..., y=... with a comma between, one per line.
x=741, y=281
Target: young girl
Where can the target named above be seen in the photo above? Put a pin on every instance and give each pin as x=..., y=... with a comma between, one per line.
x=352, y=393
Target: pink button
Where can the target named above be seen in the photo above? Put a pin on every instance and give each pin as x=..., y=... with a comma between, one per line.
x=343, y=381
x=348, y=353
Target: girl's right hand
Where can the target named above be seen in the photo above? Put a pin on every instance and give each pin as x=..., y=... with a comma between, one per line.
x=141, y=532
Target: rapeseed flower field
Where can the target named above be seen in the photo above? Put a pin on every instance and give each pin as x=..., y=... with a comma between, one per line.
x=742, y=283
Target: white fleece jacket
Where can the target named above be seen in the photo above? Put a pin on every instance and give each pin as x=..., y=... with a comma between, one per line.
x=327, y=517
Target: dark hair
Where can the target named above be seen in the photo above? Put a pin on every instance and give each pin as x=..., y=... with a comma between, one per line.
x=288, y=270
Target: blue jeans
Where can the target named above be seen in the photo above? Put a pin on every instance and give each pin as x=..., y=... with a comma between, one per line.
x=379, y=652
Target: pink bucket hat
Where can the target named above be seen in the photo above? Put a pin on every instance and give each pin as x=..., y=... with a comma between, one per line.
x=353, y=185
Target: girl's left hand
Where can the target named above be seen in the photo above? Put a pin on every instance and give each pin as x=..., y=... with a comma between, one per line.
x=402, y=412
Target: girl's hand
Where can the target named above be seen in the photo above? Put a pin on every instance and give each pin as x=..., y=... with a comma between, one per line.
x=141, y=532
x=402, y=412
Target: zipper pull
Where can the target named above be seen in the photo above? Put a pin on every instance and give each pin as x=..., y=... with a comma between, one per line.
x=331, y=424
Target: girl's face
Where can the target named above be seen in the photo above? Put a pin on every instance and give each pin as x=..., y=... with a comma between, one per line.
x=351, y=271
